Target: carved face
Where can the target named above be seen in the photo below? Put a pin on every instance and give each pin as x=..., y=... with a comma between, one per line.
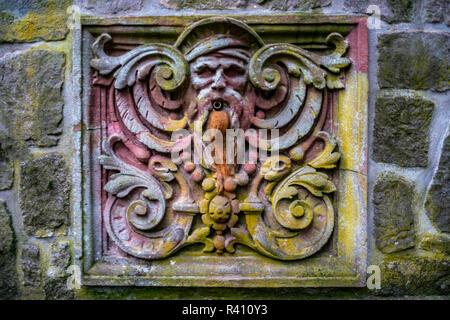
x=220, y=78
x=218, y=73
x=220, y=209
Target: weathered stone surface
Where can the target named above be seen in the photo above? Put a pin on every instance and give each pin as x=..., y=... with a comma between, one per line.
x=434, y=10
x=33, y=20
x=30, y=96
x=393, y=215
x=11, y=149
x=447, y=15
x=8, y=273
x=44, y=194
x=8, y=152
x=6, y=230
x=414, y=60
x=305, y=5
x=276, y=5
x=6, y=175
x=55, y=281
x=401, y=129
x=436, y=243
x=111, y=6
x=410, y=275
x=438, y=198
x=31, y=265
x=203, y=5
x=60, y=254
x=392, y=11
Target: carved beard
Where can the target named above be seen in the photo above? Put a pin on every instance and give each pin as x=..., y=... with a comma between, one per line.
x=234, y=115
x=236, y=105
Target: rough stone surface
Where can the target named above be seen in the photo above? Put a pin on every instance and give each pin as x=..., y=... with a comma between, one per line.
x=414, y=60
x=275, y=5
x=411, y=275
x=305, y=5
x=435, y=243
x=6, y=231
x=6, y=175
x=31, y=96
x=447, y=15
x=60, y=254
x=8, y=273
x=44, y=194
x=401, y=130
x=393, y=215
x=55, y=281
x=392, y=11
x=11, y=149
x=111, y=6
x=33, y=20
x=434, y=10
x=203, y=5
x=31, y=265
x=438, y=198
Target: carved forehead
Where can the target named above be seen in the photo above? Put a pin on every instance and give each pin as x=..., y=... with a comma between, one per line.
x=213, y=61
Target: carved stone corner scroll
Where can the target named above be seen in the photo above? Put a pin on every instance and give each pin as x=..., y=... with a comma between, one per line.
x=224, y=151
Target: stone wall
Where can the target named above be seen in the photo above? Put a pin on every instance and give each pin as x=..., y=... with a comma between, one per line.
x=409, y=146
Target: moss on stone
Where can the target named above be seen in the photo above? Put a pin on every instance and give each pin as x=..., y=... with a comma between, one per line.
x=8, y=273
x=401, y=129
x=31, y=98
x=276, y=5
x=44, y=194
x=435, y=243
x=437, y=203
x=413, y=275
x=392, y=11
x=393, y=214
x=414, y=60
x=37, y=20
x=203, y=5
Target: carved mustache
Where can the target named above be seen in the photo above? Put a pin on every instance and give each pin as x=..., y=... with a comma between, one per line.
x=228, y=97
x=229, y=100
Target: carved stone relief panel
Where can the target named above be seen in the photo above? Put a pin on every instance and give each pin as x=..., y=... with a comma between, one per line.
x=223, y=151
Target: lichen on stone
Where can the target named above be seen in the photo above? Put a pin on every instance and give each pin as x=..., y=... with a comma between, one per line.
x=414, y=60
x=44, y=194
x=31, y=99
x=393, y=214
x=8, y=272
x=35, y=20
x=401, y=130
x=438, y=198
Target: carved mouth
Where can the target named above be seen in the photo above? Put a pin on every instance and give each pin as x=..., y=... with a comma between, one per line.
x=218, y=104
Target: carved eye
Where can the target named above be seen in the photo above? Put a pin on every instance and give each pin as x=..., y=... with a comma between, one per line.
x=205, y=72
x=234, y=71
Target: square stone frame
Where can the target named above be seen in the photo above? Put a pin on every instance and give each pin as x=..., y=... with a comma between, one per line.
x=346, y=267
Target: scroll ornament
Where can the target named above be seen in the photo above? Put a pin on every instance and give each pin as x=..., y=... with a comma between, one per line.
x=219, y=75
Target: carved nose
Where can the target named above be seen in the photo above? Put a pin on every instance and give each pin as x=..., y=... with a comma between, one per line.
x=219, y=81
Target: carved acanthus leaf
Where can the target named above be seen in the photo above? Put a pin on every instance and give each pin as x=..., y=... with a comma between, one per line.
x=298, y=62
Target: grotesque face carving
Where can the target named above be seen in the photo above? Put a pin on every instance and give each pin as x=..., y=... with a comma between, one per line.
x=220, y=80
x=235, y=82
x=219, y=73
